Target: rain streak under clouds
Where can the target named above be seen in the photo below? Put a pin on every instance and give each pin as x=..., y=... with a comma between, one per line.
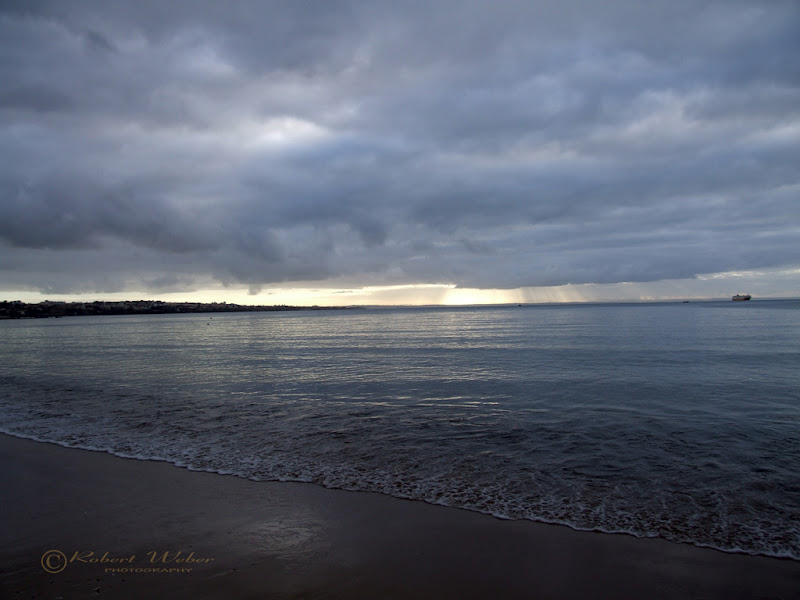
x=160, y=147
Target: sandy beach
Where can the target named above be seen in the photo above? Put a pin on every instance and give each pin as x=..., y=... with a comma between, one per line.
x=80, y=524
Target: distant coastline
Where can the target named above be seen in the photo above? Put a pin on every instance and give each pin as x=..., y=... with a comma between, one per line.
x=42, y=310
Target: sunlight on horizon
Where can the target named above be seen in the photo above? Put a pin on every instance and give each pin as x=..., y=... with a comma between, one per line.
x=777, y=284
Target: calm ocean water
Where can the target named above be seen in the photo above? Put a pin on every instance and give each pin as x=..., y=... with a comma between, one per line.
x=670, y=420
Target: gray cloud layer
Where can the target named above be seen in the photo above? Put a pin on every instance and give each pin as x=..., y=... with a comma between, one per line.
x=486, y=144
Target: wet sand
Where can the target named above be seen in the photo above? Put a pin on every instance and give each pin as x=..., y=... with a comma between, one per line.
x=119, y=528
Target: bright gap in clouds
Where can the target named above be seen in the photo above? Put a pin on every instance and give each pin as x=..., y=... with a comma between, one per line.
x=781, y=283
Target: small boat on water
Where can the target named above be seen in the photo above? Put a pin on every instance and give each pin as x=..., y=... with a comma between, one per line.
x=740, y=297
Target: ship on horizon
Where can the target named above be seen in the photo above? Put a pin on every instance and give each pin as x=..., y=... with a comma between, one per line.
x=741, y=297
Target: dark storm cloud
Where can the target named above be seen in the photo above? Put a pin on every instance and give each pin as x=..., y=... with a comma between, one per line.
x=483, y=144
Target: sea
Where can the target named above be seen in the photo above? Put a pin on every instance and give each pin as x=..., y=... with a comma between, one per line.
x=670, y=420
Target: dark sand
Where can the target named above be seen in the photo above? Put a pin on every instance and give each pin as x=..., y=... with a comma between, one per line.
x=287, y=540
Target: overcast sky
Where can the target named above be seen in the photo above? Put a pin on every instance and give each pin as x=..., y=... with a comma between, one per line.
x=408, y=151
